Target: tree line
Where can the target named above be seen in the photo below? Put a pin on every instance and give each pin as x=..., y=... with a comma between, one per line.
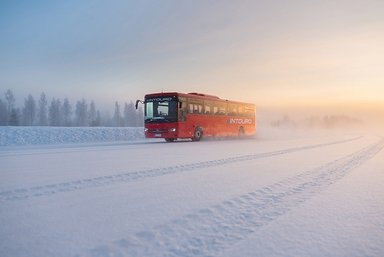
x=62, y=113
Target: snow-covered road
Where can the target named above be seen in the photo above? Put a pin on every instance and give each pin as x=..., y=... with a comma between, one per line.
x=313, y=195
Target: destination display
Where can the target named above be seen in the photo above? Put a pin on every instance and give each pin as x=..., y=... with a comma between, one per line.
x=160, y=99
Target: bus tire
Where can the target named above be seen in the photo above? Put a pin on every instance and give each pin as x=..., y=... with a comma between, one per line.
x=198, y=134
x=170, y=139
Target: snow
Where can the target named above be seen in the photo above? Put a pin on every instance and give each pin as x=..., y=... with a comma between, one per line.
x=110, y=192
x=64, y=135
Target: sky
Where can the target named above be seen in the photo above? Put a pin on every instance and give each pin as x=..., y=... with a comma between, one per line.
x=300, y=54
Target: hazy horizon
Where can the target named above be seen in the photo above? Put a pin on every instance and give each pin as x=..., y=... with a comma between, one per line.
x=296, y=57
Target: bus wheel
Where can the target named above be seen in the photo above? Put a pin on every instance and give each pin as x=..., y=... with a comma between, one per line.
x=241, y=132
x=169, y=139
x=198, y=134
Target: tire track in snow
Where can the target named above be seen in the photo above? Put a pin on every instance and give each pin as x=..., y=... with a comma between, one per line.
x=207, y=232
x=45, y=190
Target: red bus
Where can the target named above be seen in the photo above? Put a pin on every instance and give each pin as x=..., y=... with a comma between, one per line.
x=175, y=115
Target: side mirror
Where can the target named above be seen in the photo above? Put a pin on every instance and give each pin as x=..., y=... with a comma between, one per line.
x=137, y=103
x=180, y=105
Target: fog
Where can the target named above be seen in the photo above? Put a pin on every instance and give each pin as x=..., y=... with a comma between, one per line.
x=359, y=118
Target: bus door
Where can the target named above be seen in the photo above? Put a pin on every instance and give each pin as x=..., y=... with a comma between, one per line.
x=182, y=109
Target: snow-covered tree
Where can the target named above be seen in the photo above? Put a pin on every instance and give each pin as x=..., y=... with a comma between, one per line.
x=54, y=113
x=10, y=104
x=61, y=113
x=29, y=111
x=98, y=119
x=67, y=113
x=42, y=111
x=92, y=115
x=81, y=113
x=3, y=113
x=117, y=116
x=14, y=117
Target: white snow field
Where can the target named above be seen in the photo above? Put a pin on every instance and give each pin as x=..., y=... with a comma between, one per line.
x=278, y=194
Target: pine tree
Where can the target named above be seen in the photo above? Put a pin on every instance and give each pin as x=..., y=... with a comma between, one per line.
x=29, y=111
x=14, y=118
x=67, y=113
x=54, y=113
x=98, y=119
x=42, y=111
x=117, y=116
x=58, y=113
x=3, y=113
x=92, y=116
x=81, y=113
x=10, y=103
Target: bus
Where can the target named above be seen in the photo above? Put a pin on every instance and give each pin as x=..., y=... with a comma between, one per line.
x=173, y=115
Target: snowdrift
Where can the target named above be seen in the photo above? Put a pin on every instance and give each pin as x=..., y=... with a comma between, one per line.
x=12, y=136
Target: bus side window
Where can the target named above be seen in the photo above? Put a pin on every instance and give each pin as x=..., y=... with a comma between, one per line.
x=197, y=108
x=232, y=109
x=241, y=110
x=182, y=109
x=219, y=108
x=190, y=110
x=207, y=107
x=222, y=109
x=249, y=112
x=215, y=110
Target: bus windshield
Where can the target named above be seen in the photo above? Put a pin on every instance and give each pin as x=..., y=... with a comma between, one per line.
x=161, y=109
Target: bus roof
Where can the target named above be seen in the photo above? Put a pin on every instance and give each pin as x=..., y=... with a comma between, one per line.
x=181, y=94
x=193, y=94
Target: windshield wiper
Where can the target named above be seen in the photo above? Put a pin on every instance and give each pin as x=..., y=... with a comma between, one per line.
x=156, y=119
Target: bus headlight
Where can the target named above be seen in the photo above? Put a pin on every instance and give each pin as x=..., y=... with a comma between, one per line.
x=145, y=130
x=172, y=130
